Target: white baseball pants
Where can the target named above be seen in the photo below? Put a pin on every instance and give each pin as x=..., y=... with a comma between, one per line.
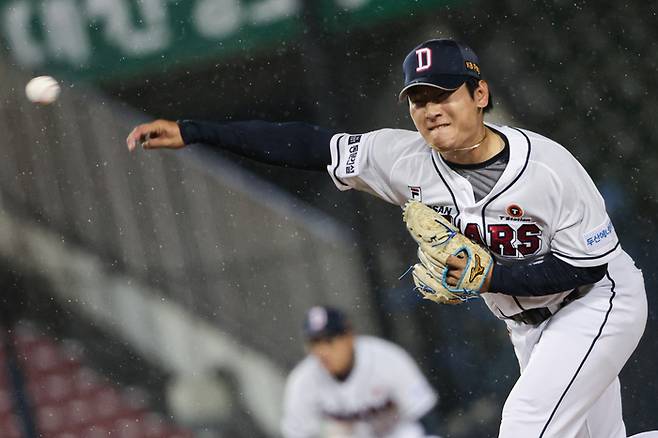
x=568, y=386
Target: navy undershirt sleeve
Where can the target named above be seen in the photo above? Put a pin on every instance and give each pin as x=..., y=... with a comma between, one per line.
x=548, y=276
x=305, y=146
x=293, y=144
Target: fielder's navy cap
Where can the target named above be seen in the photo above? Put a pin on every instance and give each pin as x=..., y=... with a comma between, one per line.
x=441, y=63
x=323, y=322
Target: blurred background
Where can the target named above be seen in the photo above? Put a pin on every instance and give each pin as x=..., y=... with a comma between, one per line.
x=161, y=294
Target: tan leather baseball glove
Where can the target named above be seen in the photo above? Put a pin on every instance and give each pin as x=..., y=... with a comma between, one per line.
x=437, y=240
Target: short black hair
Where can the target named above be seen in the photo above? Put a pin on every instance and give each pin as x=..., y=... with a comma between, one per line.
x=472, y=84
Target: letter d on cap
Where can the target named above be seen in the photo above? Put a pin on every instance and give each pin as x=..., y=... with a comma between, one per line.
x=424, y=58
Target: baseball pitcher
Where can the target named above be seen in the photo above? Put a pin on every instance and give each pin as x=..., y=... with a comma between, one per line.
x=498, y=212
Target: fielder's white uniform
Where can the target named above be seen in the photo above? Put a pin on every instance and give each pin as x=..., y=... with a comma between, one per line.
x=543, y=201
x=382, y=397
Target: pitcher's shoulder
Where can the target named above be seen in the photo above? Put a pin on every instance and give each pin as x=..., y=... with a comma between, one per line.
x=398, y=139
x=542, y=147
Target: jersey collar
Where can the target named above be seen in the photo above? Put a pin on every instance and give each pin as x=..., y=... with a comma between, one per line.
x=518, y=156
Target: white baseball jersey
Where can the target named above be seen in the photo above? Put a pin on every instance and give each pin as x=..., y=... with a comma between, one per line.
x=543, y=201
x=382, y=397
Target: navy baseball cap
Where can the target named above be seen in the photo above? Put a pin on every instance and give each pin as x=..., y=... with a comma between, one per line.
x=323, y=322
x=441, y=63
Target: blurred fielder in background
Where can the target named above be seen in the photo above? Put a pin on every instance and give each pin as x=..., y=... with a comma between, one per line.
x=573, y=301
x=355, y=386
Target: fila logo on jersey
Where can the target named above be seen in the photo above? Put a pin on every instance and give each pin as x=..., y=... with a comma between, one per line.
x=424, y=59
x=353, y=143
x=416, y=193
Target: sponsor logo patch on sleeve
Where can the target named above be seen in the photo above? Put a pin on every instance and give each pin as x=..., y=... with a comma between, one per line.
x=353, y=143
x=353, y=139
x=600, y=236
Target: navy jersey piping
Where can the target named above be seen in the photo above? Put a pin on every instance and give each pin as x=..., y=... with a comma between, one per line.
x=452, y=195
x=589, y=257
x=525, y=165
x=591, y=347
x=338, y=161
x=518, y=303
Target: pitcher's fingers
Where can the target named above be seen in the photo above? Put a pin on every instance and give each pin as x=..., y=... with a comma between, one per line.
x=456, y=262
x=153, y=142
x=138, y=135
x=452, y=279
x=133, y=137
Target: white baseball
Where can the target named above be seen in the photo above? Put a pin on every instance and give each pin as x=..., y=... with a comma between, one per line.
x=42, y=89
